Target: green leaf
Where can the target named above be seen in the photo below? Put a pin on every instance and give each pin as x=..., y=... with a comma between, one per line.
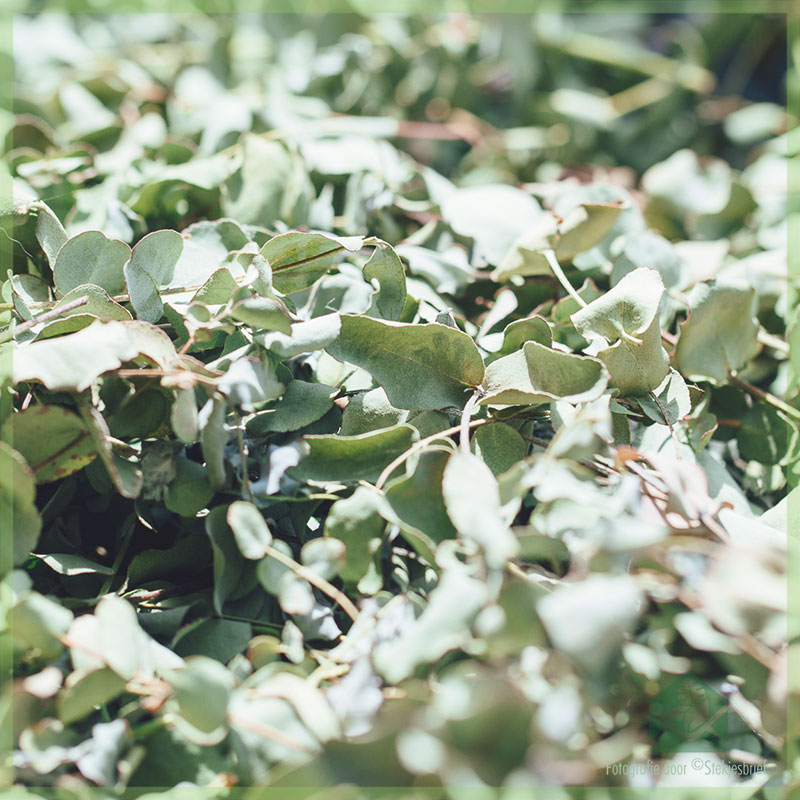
x=444, y=625
x=671, y=402
x=119, y=637
x=584, y=227
x=190, y=490
x=765, y=435
x=72, y=362
x=218, y=289
x=647, y=249
x=590, y=619
x=472, y=499
x=152, y=266
x=213, y=438
x=298, y=259
x=425, y=366
x=39, y=624
x=355, y=521
x=307, y=336
x=270, y=572
x=418, y=505
x=353, y=458
x=688, y=184
x=538, y=375
x=295, y=595
x=385, y=267
x=201, y=693
x=85, y=691
x=91, y=257
x=229, y=563
x=263, y=313
x=250, y=382
x=141, y=415
x=499, y=445
x=207, y=246
x=624, y=332
x=54, y=441
x=184, y=417
x=127, y=476
x=324, y=556
x=269, y=184
x=17, y=496
x=220, y=639
x=368, y=411
x=100, y=306
x=301, y=404
x=72, y=564
x=493, y=215
x=50, y=232
x=249, y=529
x=531, y=329
x=720, y=333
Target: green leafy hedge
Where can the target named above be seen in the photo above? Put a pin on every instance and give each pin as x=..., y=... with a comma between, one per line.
x=328, y=468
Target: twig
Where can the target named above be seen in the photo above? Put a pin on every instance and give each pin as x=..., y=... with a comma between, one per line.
x=603, y=50
x=775, y=402
x=155, y=595
x=268, y=732
x=463, y=441
x=402, y=458
x=550, y=256
x=54, y=313
x=669, y=338
x=672, y=433
x=315, y=580
x=774, y=342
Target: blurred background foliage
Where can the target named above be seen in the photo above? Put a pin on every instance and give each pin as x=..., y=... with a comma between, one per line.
x=516, y=91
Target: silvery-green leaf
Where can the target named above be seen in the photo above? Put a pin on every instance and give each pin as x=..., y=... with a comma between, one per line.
x=537, y=375
x=426, y=366
x=624, y=332
x=91, y=257
x=472, y=499
x=720, y=333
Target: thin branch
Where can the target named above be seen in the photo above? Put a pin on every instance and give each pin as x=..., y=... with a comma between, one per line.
x=774, y=342
x=315, y=580
x=463, y=441
x=672, y=433
x=268, y=732
x=54, y=313
x=774, y=401
x=562, y=278
x=422, y=443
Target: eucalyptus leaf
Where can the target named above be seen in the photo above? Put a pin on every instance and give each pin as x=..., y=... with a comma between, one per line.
x=537, y=375
x=299, y=259
x=472, y=499
x=152, y=266
x=353, y=458
x=91, y=257
x=385, y=267
x=53, y=441
x=720, y=333
x=249, y=529
x=624, y=331
x=426, y=366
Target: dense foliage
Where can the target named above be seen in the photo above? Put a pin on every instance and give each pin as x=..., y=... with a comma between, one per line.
x=392, y=406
